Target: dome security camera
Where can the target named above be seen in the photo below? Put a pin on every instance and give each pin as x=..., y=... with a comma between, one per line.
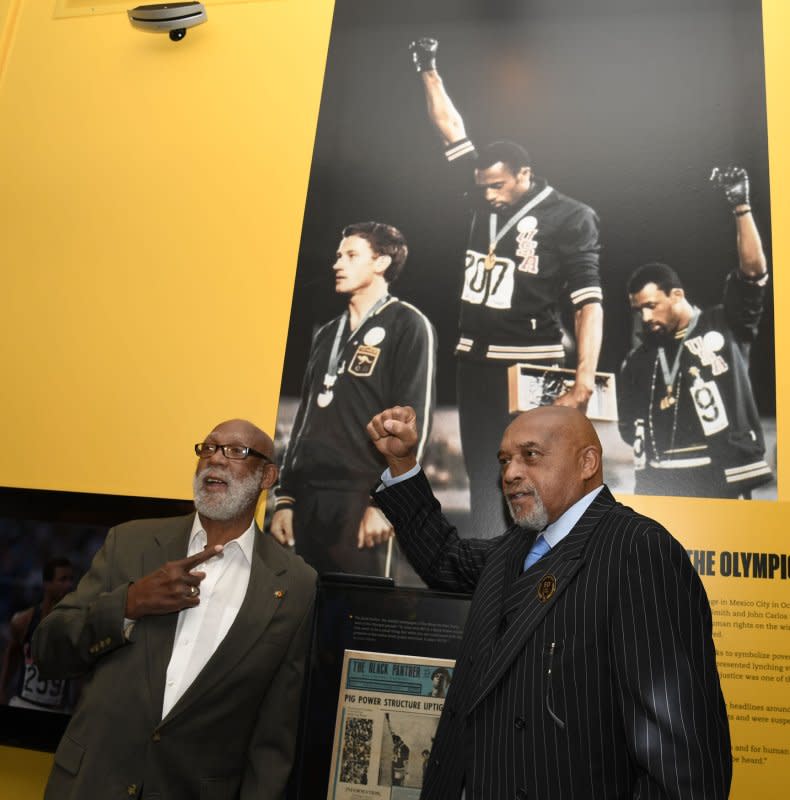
x=171, y=18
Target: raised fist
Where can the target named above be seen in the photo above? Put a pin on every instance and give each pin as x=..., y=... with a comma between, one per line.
x=394, y=434
x=734, y=182
x=423, y=53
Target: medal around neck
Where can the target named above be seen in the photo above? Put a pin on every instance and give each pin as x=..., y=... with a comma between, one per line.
x=327, y=395
x=490, y=259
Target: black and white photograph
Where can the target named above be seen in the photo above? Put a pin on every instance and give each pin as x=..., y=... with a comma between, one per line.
x=576, y=186
x=355, y=758
x=405, y=748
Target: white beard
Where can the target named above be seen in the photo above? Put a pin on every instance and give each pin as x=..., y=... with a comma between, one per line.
x=241, y=494
x=535, y=520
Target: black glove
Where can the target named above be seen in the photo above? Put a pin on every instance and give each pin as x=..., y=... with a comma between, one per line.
x=423, y=53
x=734, y=182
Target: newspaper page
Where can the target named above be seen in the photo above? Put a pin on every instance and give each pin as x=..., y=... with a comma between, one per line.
x=387, y=713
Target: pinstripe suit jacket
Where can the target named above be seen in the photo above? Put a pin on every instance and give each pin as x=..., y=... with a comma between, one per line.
x=606, y=689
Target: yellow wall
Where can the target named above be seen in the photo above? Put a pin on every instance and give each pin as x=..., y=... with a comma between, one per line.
x=23, y=773
x=151, y=204
x=150, y=216
x=150, y=209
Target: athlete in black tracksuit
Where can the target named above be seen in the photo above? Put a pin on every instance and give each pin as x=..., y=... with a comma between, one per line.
x=684, y=394
x=330, y=464
x=530, y=249
x=709, y=443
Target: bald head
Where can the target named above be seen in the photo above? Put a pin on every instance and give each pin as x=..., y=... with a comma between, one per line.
x=550, y=458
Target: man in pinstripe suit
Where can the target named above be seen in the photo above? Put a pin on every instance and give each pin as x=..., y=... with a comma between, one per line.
x=589, y=673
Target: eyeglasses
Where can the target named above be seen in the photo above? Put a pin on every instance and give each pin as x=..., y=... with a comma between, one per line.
x=235, y=452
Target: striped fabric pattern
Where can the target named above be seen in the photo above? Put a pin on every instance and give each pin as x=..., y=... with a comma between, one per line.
x=605, y=688
x=555, y=352
x=589, y=294
x=459, y=149
x=747, y=472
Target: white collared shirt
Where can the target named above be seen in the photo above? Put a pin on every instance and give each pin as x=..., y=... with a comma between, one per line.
x=200, y=629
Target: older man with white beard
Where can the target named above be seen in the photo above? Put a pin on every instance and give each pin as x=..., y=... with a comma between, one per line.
x=191, y=633
x=587, y=667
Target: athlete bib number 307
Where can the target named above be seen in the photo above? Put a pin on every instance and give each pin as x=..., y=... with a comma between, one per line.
x=490, y=287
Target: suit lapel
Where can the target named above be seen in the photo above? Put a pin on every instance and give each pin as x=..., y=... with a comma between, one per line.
x=158, y=631
x=562, y=563
x=260, y=604
x=480, y=628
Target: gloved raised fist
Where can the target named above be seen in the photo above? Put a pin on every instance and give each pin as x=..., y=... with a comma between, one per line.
x=734, y=182
x=423, y=53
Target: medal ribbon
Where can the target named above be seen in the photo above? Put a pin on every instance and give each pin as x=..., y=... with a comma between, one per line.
x=494, y=237
x=337, y=345
x=670, y=375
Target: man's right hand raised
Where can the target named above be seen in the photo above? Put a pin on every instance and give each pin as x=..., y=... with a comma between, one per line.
x=734, y=182
x=394, y=434
x=423, y=53
x=172, y=587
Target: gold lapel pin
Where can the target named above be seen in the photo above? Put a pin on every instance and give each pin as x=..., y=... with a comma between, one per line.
x=546, y=588
x=279, y=594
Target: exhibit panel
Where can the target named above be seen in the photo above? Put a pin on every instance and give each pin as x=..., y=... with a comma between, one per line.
x=663, y=137
x=381, y=664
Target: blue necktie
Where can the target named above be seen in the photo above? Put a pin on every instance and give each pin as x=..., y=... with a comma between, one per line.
x=539, y=549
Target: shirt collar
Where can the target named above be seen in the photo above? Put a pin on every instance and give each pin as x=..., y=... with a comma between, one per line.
x=561, y=527
x=245, y=542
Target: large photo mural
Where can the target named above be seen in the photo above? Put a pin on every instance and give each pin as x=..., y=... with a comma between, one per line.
x=514, y=204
